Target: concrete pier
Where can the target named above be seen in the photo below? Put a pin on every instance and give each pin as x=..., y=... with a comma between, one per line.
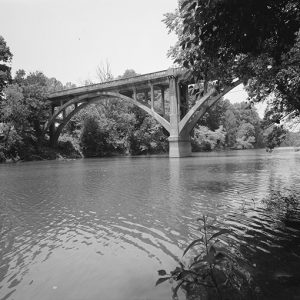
x=179, y=147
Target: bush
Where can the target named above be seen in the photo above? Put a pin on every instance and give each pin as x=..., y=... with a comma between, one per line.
x=205, y=139
x=92, y=139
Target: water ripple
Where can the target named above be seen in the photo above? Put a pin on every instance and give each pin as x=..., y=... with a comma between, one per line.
x=69, y=229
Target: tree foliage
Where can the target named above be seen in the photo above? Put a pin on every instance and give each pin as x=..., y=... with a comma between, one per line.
x=122, y=128
x=245, y=136
x=256, y=41
x=93, y=138
x=5, y=59
x=240, y=123
x=274, y=136
x=24, y=110
x=205, y=139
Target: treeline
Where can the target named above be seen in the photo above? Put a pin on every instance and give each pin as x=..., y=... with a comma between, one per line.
x=113, y=127
x=24, y=109
x=102, y=129
x=231, y=126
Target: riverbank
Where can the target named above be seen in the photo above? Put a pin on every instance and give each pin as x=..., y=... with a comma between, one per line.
x=64, y=150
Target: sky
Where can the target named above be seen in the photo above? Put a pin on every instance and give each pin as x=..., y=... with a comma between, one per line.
x=68, y=39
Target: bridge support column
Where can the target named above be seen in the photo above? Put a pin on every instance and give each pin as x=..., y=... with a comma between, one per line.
x=180, y=146
x=179, y=143
x=51, y=135
x=162, y=92
x=52, y=129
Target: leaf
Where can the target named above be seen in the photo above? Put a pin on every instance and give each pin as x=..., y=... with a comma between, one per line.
x=222, y=231
x=197, y=264
x=184, y=4
x=175, y=290
x=220, y=276
x=192, y=6
x=186, y=64
x=176, y=271
x=192, y=244
x=185, y=29
x=212, y=250
x=161, y=280
x=185, y=274
x=220, y=255
x=210, y=258
x=222, y=250
x=162, y=272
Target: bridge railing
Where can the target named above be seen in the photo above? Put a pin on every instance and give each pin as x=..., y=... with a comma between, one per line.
x=118, y=82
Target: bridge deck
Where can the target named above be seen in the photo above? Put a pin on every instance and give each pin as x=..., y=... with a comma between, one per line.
x=127, y=84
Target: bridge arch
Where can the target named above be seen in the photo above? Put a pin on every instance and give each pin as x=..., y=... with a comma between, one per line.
x=82, y=101
x=191, y=118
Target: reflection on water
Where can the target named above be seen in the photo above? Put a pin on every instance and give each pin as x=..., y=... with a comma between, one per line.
x=100, y=229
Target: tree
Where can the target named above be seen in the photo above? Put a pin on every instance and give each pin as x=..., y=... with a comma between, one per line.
x=5, y=58
x=247, y=114
x=13, y=121
x=24, y=110
x=287, y=92
x=35, y=88
x=205, y=139
x=274, y=136
x=292, y=139
x=92, y=139
x=240, y=121
x=245, y=136
x=149, y=136
x=214, y=118
x=230, y=125
x=256, y=41
x=104, y=72
x=54, y=85
x=128, y=73
x=14, y=111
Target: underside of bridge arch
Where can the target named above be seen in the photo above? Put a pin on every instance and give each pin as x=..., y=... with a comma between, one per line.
x=65, y=112
x=191, y=118
x=182, y=125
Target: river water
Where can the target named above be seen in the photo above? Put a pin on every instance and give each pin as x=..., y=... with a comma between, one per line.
x=101, y=228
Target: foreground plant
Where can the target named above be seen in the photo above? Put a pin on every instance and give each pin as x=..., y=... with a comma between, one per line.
x=214, y=271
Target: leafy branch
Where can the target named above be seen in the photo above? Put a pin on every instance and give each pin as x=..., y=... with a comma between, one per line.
x=213, y=271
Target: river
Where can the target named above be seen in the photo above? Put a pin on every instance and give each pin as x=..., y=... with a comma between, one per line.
x=101, y=228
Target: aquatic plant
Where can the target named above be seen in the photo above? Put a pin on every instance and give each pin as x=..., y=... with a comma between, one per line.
x=214, y=271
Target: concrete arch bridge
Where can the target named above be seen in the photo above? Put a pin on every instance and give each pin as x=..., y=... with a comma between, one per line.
x=140, y=90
